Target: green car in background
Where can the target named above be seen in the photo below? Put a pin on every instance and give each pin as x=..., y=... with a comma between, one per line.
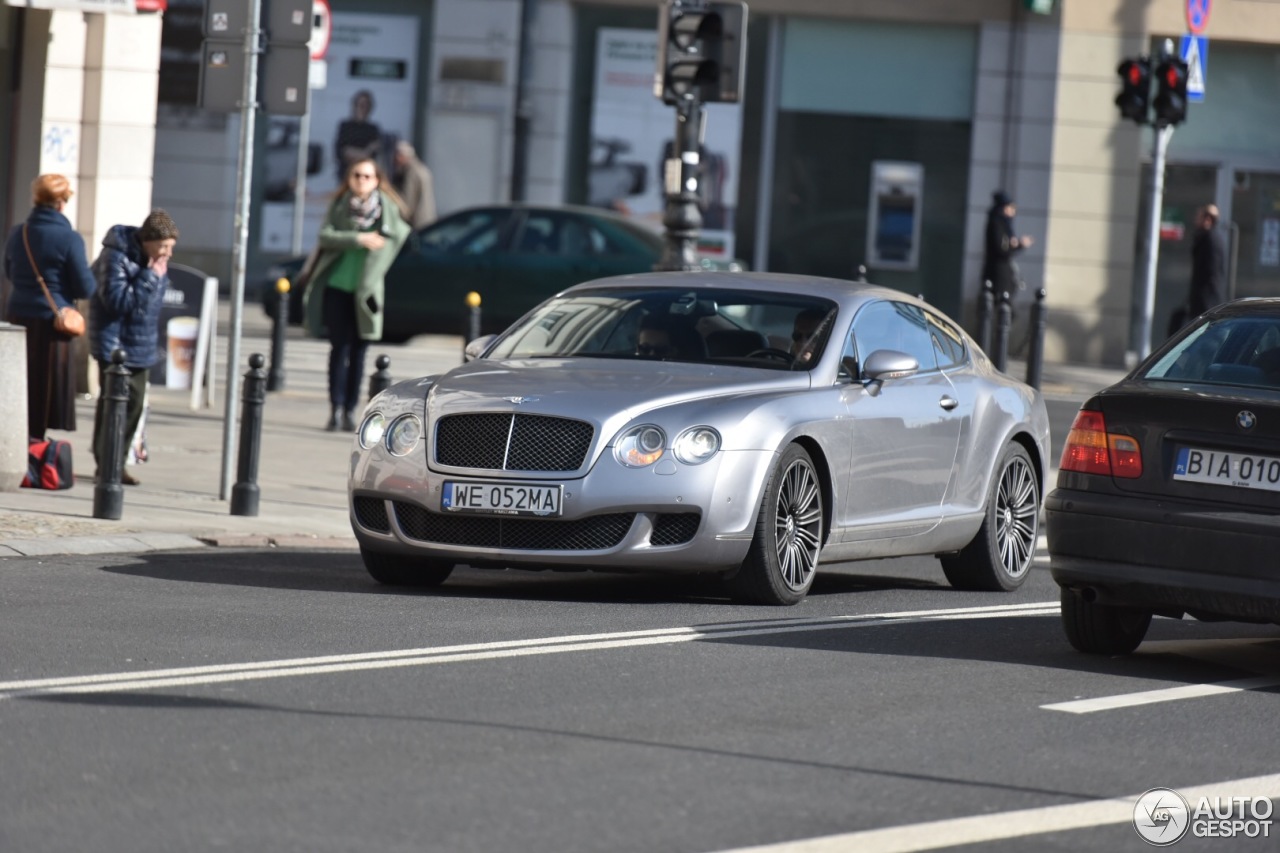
x=513, y=255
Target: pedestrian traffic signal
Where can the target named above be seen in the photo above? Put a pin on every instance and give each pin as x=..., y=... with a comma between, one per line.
x=702, y=49
x=1171, y=91
x=1135, y=88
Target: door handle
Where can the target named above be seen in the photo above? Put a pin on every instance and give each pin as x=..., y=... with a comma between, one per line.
x=948, y=402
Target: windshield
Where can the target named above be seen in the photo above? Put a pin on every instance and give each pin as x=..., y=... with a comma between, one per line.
x=1234, y=350
x=754, y=329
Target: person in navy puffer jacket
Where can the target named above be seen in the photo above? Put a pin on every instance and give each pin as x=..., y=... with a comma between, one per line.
x=132, y=273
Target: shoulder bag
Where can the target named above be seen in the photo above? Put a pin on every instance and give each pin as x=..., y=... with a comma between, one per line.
x=68, y=320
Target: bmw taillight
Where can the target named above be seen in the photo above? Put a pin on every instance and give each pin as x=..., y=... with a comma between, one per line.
x=1090, y=450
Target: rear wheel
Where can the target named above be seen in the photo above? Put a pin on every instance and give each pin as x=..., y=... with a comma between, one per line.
x=399, y=570
x=1101, y=629
x=783, y=558
x=999, y=557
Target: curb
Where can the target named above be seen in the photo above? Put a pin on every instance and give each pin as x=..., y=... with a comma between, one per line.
x=141, y=543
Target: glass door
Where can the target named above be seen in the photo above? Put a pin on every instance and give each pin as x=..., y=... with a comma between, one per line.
x=1186, y=189
x=1255, y=213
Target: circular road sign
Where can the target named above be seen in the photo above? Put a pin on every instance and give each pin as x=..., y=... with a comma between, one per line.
x=321, y=28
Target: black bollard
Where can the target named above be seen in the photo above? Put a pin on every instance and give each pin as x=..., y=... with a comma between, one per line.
x=380, y=379
x=275, y=376
x=244, y=494
x=108, y=496
x=1004, y=317
x=1035, y=354
x=986, y=314
x=862, y=272
x=473, y=318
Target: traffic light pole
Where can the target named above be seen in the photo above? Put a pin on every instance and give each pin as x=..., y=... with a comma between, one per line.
x=1144, y=292
x=682, y=218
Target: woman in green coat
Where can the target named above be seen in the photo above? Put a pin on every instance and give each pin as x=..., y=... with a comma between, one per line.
x=362, y=234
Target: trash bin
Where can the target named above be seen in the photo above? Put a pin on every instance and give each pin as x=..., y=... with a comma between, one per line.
x=13, y=401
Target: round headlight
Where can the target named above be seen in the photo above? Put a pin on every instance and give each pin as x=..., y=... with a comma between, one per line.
x=696, y=445
x=372, y=430
x=640, y=446
x=403, y=434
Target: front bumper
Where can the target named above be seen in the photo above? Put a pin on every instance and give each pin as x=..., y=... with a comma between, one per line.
x=689, y=519
x=1166, y=555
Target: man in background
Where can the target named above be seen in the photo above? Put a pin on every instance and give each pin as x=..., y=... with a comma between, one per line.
x=412, y=180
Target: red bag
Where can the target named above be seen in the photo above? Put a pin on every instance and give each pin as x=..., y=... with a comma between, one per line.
x=48, y=464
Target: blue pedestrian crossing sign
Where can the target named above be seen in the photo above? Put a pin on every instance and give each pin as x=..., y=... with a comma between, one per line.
x=1194, y=51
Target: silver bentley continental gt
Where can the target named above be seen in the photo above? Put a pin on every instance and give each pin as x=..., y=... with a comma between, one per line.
x=748, y=425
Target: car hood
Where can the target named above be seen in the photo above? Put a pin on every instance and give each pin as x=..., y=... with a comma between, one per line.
x=605, y=391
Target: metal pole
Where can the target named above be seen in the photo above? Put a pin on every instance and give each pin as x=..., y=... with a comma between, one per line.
x=300, y=183
x=244, y=184
x=1152, y=253
x=768, y=144
x=524, y=109
x=682, y=218
x=986, y=315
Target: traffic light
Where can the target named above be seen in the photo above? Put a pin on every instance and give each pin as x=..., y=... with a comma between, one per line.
x=1135, y=83
x=702, y=49
x=1171, y=91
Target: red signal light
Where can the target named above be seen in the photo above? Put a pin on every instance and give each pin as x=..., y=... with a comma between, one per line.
x=1173, y=76
x=1134, y=74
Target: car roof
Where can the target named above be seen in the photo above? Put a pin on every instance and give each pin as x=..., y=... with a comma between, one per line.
x=847, y=293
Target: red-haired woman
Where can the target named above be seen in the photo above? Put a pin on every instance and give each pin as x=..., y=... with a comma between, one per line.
x=46, y=242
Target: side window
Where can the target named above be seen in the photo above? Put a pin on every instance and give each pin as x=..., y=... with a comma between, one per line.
x=540, y=235
x=896, y=326
x=947, y=341
x=469, y=234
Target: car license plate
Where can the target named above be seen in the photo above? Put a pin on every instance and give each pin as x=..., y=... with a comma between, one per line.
x=1242, y=470
x=502, y=498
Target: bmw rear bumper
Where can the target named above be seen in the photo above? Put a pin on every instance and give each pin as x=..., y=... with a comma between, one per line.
x=1166, y=555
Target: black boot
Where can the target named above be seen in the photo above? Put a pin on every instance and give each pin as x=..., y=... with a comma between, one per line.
x=332, y=425
x=348, y=421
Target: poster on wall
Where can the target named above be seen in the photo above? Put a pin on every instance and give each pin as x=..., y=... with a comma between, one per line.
x=367, y=105
x=631, y=137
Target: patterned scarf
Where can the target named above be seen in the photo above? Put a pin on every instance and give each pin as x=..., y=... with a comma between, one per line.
x=365, y=214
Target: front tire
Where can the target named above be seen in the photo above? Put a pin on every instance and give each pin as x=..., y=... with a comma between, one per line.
x=783, y=558
x=1100, y=629
x=999, y=557
x=399, y=570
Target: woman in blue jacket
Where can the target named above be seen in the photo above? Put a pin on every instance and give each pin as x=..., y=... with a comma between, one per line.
x=58, y=252
x=132, y=273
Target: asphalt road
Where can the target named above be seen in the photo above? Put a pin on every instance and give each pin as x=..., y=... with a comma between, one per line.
x=282, y=701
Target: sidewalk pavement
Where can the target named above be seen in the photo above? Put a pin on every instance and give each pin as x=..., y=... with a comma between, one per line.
x=302, y=469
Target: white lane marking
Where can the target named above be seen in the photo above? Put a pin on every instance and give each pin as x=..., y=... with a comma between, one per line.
x=980, y=829
x=1250, y=654
x=1167, y=694
x=221, y=673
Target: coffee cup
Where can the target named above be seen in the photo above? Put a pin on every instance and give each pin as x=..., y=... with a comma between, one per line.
x=182, y=333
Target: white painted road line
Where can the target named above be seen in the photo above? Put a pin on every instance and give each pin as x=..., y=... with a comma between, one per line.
x=1168, y=694
x=222, y=673
x=983, y=829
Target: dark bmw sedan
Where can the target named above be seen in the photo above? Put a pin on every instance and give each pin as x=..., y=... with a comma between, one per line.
x=1168, y=497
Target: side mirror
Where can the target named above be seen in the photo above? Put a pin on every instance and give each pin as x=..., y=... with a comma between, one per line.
x=476, y=348
x=889, y=364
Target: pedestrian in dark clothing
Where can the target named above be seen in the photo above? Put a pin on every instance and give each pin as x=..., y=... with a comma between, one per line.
x=346, y=291
x=59, y=254
x=1208, y=263
x=1001, y=245
x=132, y=273
x=1208, y=270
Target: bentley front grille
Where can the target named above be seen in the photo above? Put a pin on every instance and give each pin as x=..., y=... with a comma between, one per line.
x=595, y=533
x=512, y=442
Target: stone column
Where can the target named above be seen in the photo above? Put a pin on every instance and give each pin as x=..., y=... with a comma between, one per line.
x=13, y=399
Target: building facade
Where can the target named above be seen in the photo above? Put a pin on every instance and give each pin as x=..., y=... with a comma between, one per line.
x=872, y=133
